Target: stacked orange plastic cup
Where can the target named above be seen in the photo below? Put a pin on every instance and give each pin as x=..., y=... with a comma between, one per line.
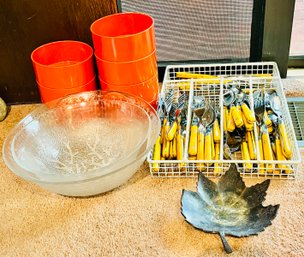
x=63, y=68
x=125, y=52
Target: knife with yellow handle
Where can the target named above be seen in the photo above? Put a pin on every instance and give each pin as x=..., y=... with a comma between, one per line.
x=208, y=147
x=200, y=150
x=281, y=157
x=156, y=154
x=286, y=147
x=237, y=116
x=217, y=157
x=249, y=115
x=248, y=126
x=216, y=131
x=193, y=137
x=230, y=122
x=251, y=145
x=267, y=150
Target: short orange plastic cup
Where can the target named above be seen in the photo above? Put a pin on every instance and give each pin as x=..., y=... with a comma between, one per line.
x=147, y=90
x=50, y=94
x=63, y=64
x=127, y=73
x=123, y=37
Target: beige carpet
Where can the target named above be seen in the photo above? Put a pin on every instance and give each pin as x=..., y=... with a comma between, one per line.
x=141, y=218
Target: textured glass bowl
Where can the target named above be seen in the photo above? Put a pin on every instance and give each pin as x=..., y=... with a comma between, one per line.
x=82, y=144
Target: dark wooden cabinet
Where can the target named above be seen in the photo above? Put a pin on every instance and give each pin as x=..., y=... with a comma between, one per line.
x=27, y=24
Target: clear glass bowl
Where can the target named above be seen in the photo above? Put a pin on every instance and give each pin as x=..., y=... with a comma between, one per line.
x=82, y=144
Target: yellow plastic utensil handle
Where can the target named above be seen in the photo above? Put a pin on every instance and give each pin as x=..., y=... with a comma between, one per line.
x=193, y=140
x=208, y=148
x=200, y=150
x=192, y=157
x=174, y=150
x=226, y=114
x=270, y=129
x=188, y=75
x=237, y=116
x=216, y=131
x=267, y=121
x=281, y=157
x=156, y=154
x=165, y=148
x=286, y=147
x=201, y=146
x=217, y=169
x=212, y=147
x=267, y=150
x=251, y=145
x=262, y=167
x=171, y=150
x=246, y=156
x=248, y=126
x=230, y=122
x=179, y=146
x=249, y=115
x=163, y=131
x=274, y=152
x=172, y=131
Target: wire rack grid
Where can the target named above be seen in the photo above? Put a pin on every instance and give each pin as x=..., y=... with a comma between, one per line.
x=250, y=77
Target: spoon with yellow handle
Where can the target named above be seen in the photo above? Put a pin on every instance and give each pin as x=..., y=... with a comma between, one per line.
x=276, y=106
x=207, y=118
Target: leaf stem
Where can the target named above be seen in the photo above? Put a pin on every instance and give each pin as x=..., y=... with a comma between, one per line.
x=225, y=243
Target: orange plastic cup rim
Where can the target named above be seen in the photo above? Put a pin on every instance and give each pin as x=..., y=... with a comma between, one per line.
x=126, y=62
x=62, y=41
x=121, y=14
x=71, y=88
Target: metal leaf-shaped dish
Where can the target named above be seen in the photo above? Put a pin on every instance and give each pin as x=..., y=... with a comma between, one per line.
x=229, y=207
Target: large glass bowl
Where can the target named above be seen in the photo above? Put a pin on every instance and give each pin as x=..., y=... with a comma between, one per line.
x=82, y=144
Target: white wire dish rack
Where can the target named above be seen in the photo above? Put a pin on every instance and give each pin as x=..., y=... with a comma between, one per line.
x=251, y=76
